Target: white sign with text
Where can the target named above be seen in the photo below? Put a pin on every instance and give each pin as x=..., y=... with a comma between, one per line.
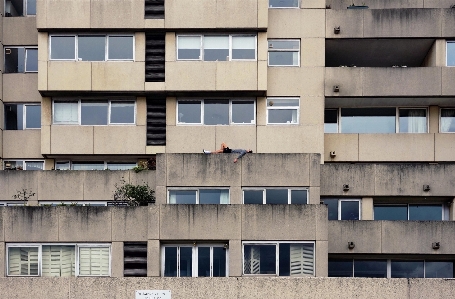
x=153, y=294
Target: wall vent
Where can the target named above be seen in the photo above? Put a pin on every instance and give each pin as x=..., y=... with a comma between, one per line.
x=154, y=9
x=156, y=120
x=135, y=259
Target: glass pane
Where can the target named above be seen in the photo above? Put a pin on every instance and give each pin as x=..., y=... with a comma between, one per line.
x=182, y=197
x=66, y=112
x=370, y=268
x=213, y=196
x=243, y=112
x=62, y=165
x=282, y=116
x=219, y=262
x=94, y=113
x=413, y=121
x=32, y=60
x=216, y=48
x=447, y=120
x=296, y=259
x=276, y=196
x=87, y=166
x=120, y=166
x=203, y=258
x=58, y=261
x=389, y=212
x=332, y=205
x=299, y=197
x=368, y=120
x=33, y=116
x=14, y=117
x=439, y=269
x=34, y=165
x=189, y=47
x=283, y=58
x=259, y=259
x=283, y=3
x=407, y=269
x=450, y=53
x=350, y=210
x=186, y=262
x=91, y=48
x=283, y=44
x=189, y=112
x=340, y=268
x=243, y=47
x=425, y=212
x=31, y=7
x=216, y=112
x=120, y=47
x=14, y=164
x=122, y=112
x=23, y=261
x=330, y=121
x=63, y=47
x=170, y=261
x=14, y=60
x=253, y=197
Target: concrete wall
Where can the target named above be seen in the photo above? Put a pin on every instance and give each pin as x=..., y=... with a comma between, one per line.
x=21, y=87
x=22, y=144
x=19, y=31
x=378, y=4
x=387, y=179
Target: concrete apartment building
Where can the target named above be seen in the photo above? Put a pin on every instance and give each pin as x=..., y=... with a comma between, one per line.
x=349, y=110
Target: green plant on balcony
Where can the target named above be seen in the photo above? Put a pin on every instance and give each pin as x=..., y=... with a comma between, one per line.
x=133, y=195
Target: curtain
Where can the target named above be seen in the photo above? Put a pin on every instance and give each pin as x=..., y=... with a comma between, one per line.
x=417, y=121
x=447, y=117
x=58, y=260
x=252, y=259
x=172, y=197
x=224, y=196
x=23, y=261
x=94, y=261
x=65, y=112
x=301, y=259
x=189, y=42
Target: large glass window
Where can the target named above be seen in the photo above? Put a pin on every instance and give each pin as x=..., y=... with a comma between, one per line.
x=275, y=196
x=23, y=165
x=19, y=8
x=21, y=59
x=284, y=52
x=22, y=116
x=413, y=120
x=343, y=209
x=91, y=47
x=278, y=258
x=283, y=110
x=216, y=111
x=451, y=53
x=284, y=3
x=201, y=260
x=331, y=121
x=93, y=165
x=447, y=121
x=216, y=47
x=199, y=196
x=409, y=212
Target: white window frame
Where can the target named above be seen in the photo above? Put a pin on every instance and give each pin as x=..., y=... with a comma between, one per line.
x=79, y=109
x=77, y=246
x=24, y=162
x=283, y=50
x=283, y=108
x=106, y=164
x=346, y=200
x=72, y=203
x=286, y=7
x=12, y=203
x=231, y=123
x=447, y=52
x=197, y=193
x=24, y=115
x=277, y=255
x=26, y=48
x=201, y=48
x=445, y=209
x=106, y=46
x=264, y=190
x=194, y=257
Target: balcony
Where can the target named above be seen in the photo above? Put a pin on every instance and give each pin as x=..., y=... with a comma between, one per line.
x=391, y=4
x=21, y=87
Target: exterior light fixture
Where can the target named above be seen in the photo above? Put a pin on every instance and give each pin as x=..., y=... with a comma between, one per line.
x=351, y=245
x=436, y=245
x=345, y=187
x=426, y=187
x=336, y=88
x=333, y=154
x=336, y=30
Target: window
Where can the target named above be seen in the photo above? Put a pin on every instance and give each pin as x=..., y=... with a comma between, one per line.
x=93, y=165
x=447, y=122
x=198, y=196
x=22, y=116
x=94, y=112
x=376, y=120
x=91, y=47
x=23, y=165
x=21, y=60
x=216, y=112
x=383, y=268
x=277, y=196
x=11, y=203
x=73, y=203
x=451, y=53
x=283, y=110
x=411, y=212
x=278, y=258
x=284, y=3
x=284, y=52
x=201, y=260
x=343, y=209
x=19, y=8
x=216, y=47
x=58, y=260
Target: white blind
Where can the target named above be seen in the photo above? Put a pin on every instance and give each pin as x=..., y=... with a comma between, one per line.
x=189, y=42
x=94, y=261
x=243, y=42
x=65, y=112
x=216, y=42
x=23, y=261
x=301, y=259
x=58, y=260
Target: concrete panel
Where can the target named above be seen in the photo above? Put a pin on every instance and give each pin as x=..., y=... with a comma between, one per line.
x=312, y=112
x=348, y=79
x=236, y=14
x=236, y=137
x=84, y=224
x=294, y=170
x=236, y=75
x=11, y=182
x=235, y=195
x=2, y=259
x=153, y=263
x=81, y=141
x=170, y=45
x=101, y=186
x=139, y=47
x=321, y=219
x=262, y=75
x=263, y=13
x=129, y=224
x=419, y=290
x=448, y=77
x=61, y=185
x=315, y=170
x=366, y=236
x=21, y=88
x=261, y=111
x=45, y=140
x=117, y=14
x=111, y=140
x=235, y=258
x=161, y=195
x=142, y=177
x=312, y=23
x=202, y=170
x=293, y=81
x=190, y=75
x=42, y=75
x=444, y=147
x=188, y=14
x=27, y=224
x=200, y=222
x=322, y=263
x=367, y=208
x=69, y=75
x=433, y=122
x=118, y=76
x=43, y=45
x=22, y=144
x=19, y=32
x=46, y=111
x=65, y=14
x=296, y=217
x=296, y=23
x=359, y=177
x=190, y=139
x=311, y=50
x=171, y=107
x=154, y=23
x=117, y=259
x=155, y=86
x=312, y=4
x=153, y=222
x=448, y=21
x=400, y=147
x=350, y=22
x=345, y=146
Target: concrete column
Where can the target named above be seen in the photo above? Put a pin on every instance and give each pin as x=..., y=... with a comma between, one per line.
x=236, y=195
x=452, y=210
x=367, y=208
x=314, y=194
x=235, y=258
x=117, y=259
x=153, y=258
x=2, y=259
x=433, y=119
x=321, y=258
